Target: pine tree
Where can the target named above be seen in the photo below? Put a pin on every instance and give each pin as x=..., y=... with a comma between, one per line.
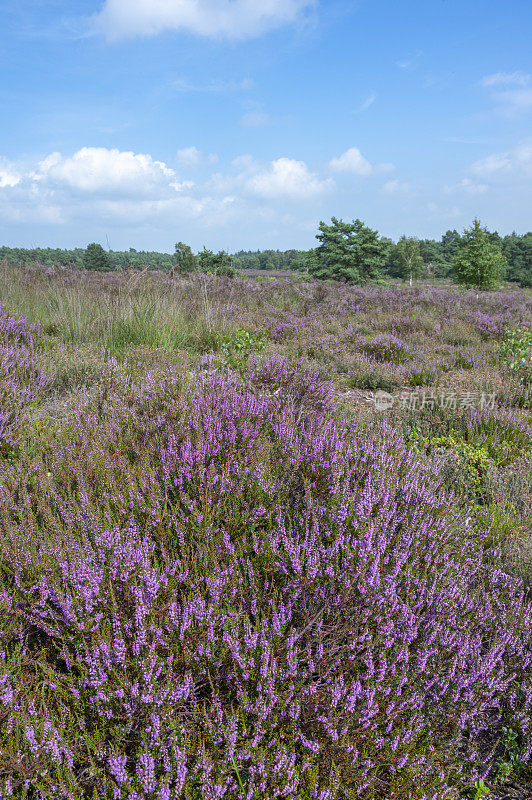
x=96, y=258
x=349, y=252
x=220, y=263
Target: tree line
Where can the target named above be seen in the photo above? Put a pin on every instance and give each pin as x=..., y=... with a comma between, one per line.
x=347, y=251
x=353, y=253
x=83, y=258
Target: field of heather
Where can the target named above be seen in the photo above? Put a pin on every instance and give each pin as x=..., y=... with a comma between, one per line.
x=263, y=539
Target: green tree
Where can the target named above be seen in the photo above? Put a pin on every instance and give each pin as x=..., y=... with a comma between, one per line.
x=408, y=258
x=348, y=251
x=186, y=261
x=431, y=252
x=518, y=252
x=478, y=263
x=450, y=243
x=96, y=258
x=220, y=263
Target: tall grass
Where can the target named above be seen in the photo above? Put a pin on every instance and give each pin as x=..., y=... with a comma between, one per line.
x=128, y=311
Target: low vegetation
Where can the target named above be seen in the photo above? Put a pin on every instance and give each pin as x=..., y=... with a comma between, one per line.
x=263, y=539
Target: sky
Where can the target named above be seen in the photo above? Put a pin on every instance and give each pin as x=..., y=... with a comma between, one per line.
x=240, y=124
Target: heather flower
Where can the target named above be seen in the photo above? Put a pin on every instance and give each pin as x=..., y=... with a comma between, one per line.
x=221, y=586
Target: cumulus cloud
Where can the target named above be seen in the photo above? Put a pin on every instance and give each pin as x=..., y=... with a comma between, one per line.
x=236, y=19
x=515, y=163
x=124, y=189
x=351, y=161
x=287, y=178
x=96, y=183
x=107, y=172
x=9, y=175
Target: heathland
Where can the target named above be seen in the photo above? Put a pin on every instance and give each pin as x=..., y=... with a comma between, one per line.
x=263, y=538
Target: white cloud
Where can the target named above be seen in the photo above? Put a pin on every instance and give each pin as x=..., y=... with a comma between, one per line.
x=351, y=161
x=287, y=178
x=192, y=158
x=96, y=183
x=515, y=163
x=9, y=176
x=467, y=186
x=236, y=19
x=101, y=171
x=108, y=189
x=506, y=78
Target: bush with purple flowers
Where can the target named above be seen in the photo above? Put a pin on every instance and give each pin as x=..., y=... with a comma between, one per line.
x=216, y=582
x=23, y=379
x=254, y=601
x=385, y=348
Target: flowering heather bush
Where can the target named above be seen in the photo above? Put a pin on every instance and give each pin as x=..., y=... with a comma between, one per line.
x=22, y=377
x=385, y=348
x=491, y=326
x=213, y=591
x=280, y=328
x=15, y=329
x=301, y=386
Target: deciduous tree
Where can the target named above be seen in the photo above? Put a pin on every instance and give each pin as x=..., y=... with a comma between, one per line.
x=478, y=262
x=186, y=261
x=408, y=258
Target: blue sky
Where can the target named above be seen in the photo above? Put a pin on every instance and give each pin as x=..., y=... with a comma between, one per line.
x=242, y=123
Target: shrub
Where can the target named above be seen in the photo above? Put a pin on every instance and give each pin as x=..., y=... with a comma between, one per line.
x=516, y=352
x=465, y=466
x=23, y=379
x=241, y=596
x=490, y=326
x=237, y=347
x=385, y=348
